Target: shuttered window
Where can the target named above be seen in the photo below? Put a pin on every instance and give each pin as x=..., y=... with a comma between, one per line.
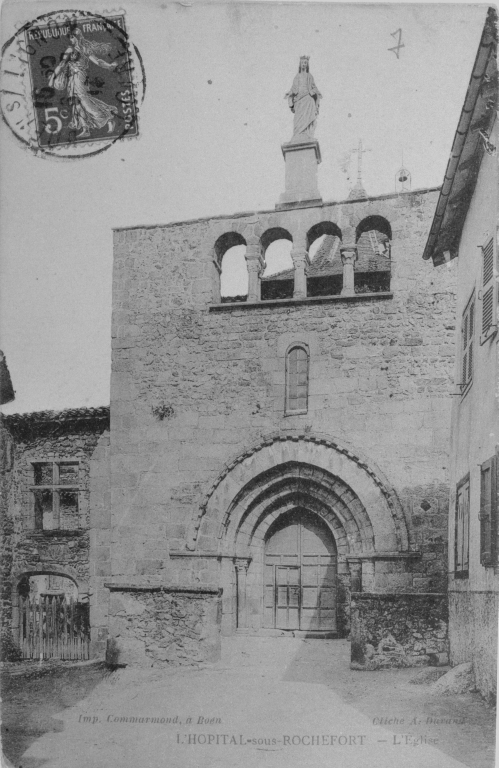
x=462, y=530
x=468, y=334
x=297, y=380
x=488, y=512
x=489, y=297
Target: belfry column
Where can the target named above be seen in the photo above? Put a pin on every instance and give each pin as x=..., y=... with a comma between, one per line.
x=301, y=262
x=348, y=258
x=256, y=265
x=241, y=564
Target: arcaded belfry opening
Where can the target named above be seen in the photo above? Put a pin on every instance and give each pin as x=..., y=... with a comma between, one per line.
x=277, y=280
x=325, y=272
x=373, y=266
x=232, y=270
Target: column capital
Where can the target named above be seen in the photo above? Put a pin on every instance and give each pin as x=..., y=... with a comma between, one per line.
x=242, y=563
x=299, y=255
x=255, y=265
x=348, y=253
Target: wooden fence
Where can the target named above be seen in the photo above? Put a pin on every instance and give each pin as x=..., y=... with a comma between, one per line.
x=52, y=627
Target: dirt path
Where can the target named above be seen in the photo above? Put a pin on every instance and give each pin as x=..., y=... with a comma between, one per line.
x=270, y=701
x=32, y=696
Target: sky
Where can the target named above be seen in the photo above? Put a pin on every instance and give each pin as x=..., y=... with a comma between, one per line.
x=210, y=130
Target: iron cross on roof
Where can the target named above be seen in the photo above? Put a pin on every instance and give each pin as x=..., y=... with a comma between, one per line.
x=360, y=151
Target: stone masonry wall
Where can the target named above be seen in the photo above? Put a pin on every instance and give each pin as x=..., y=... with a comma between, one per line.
x=473, y=636
x=398, y=630
x=193, y=383
x=158, y=628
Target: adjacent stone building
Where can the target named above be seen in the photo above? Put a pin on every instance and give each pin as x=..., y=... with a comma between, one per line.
x=464, y=232
x=55, y=512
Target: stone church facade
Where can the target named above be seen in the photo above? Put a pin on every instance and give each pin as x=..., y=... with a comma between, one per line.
x=277, y=462
x=280, y=465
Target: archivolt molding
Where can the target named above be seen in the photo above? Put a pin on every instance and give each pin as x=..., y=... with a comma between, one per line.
x=374, y=474
x=254, y=528
x=258, y=535
x=297, y=485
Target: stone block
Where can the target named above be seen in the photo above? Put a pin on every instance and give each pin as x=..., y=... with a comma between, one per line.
x=458, y=680
x=126, y=651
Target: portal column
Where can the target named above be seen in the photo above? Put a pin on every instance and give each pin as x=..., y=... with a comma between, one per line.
x=355, y=565
x=241, y=564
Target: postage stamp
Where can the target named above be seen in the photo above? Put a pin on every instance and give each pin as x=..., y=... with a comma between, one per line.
x=75, y=81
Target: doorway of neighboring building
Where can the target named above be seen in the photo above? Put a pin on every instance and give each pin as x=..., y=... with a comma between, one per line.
x=300, y=576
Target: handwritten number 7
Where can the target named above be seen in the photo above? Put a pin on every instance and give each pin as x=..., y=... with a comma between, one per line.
x=400, y=44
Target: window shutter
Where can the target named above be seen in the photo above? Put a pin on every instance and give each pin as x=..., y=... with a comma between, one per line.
x=466, y=526
x=485, y=515
x=468, y=332
x=458, y=543
x=495, y=509
x=462, y=530
x=464, y=372
x=470, y=340
x=488, y=289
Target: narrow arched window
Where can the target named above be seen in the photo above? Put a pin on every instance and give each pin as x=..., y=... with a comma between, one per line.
x=297, y=379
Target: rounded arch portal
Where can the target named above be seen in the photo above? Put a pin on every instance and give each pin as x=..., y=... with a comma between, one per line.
x=364, y=484
x=287, y=476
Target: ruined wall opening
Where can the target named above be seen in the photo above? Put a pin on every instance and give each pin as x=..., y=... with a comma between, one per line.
x=277, y=280
x=325, y=273
x=47, y=584
x=49, y=618
x=373, y=265
x=230, y=262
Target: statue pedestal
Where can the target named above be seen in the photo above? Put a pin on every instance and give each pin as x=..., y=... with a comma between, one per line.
x=302, y=158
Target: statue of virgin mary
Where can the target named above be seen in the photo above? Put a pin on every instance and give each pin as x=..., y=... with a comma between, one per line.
x=303, y=99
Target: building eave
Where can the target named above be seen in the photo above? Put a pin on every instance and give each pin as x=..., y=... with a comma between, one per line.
x=272, y=211
x=478, y=114
x=28, y=425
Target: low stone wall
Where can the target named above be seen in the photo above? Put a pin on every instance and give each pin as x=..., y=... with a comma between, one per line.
x=159, y=626
x=398, y=630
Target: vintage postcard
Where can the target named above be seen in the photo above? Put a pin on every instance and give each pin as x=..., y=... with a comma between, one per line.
x=249, y=329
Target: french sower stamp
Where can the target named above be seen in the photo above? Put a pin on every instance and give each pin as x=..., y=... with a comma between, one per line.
x=81, y=80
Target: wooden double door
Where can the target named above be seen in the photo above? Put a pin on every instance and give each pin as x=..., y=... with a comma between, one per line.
x=300, y=574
